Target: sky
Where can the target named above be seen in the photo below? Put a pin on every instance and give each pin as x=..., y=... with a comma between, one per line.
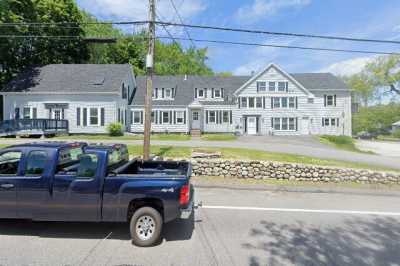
x=350, y=18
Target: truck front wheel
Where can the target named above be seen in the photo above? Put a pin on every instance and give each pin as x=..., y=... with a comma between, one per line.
x=145, y=226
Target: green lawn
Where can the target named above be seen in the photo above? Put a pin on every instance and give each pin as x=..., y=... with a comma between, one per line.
x=249, y=154
x=218, y=137
x=388, y=138
x=342, y=143
x=99, y=137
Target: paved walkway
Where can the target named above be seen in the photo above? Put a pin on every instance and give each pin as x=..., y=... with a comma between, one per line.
x=386, y=148
x=305, y=146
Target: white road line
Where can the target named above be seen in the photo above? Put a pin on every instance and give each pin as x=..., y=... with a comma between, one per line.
x=303, y=210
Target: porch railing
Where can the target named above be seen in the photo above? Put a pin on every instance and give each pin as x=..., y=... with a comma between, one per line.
x=49, y=126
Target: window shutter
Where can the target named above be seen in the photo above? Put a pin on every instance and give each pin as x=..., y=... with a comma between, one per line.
x=102, y=117
x=34, y=112
x=325, y=100
x=337, y=122
x=162, y=93
x=78, y=116
x=195, y=93
x=287, y=86
x=335, y=100
x=184, y=117
x=222, y=93
x=272, y=102
x=156, y=93
x=212, y=93
x=297, y=123
x=206, y=117
x=230, y=117
x=297, y=103
x=131, y=117
x=175, y=117
x=220, y=117
x=17, y=109
x=239, y=101
x=264, y=102
x=141, y=117
x=205, y=92
x=85, y=117
x=170, y=117
x=258, y=86
x=323, y=122
x=272, y=122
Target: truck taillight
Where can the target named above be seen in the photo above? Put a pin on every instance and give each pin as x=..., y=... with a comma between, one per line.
x=185, y=195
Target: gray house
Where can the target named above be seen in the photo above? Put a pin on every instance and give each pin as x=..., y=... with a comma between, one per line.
x=88, y=96
x=272, y=102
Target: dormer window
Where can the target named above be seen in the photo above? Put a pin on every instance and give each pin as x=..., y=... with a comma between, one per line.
x=200, y=93
x=168, y=93
x=163, y=94
x=217, y=93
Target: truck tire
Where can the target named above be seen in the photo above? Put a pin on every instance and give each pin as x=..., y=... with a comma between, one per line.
x=145, y=226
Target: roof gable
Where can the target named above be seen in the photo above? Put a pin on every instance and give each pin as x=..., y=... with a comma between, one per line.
x=282, y=72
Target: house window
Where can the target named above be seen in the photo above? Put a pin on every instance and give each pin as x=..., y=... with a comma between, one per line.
x=200, y=93
x=137, y=117
x=285, y=123
x=212, y=116
x=271, y=86
x=261, y=86
x=281, y=86
x=165, y=117
x=225, y=117
x=180, y=117
x=325, y=122
x=330, y=100
x=94, y=116
x=34, y=112
x=292, y=124
x=27, y=112
x=292, y=102
x=251, y=102
x=259, y=102
x=244, y=102
x=333, y=121
x=168, y=93
x=217, y=93
x=277, y=102
x=310, y=100
x=284, y=102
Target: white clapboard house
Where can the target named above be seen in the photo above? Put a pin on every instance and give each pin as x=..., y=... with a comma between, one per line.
x=271, y=102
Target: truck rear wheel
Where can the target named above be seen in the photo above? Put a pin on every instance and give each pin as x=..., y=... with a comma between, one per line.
x=145, y=226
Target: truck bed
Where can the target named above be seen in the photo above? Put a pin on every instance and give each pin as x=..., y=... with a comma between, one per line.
x=155, y=168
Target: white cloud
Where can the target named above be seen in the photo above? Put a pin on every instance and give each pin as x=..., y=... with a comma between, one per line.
x=260, y=9
x=348, y=67
x=138, y=9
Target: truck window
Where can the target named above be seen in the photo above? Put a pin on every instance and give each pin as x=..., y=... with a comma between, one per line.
x=9, y=162
x=87, y=166
x=36, y=163
x=117, y=157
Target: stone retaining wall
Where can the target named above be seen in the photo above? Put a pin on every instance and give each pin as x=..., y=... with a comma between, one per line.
x=289, y=171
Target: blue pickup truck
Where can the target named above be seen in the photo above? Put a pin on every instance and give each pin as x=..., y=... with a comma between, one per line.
x=93, y=183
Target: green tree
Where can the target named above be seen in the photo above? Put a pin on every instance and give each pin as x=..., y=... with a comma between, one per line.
x=362, y=87
x=376, y=118
x=385, y=72
x=16, y=54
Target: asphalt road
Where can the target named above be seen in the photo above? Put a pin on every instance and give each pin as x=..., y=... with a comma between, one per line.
x=235, y=227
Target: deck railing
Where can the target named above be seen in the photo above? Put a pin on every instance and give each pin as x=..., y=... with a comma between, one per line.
x=30, y=125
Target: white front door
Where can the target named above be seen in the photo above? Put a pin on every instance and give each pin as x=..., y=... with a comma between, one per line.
x=252, y=125
x=305, y=126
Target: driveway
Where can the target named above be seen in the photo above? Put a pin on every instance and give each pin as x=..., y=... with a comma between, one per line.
x=386, y=148
x=297, y=145
x=235, y=227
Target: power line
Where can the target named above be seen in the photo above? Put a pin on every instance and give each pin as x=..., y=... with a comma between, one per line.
x=284, y=46
x=181, y=20
x=278, y=33
x=329, y=37
x=166, y=30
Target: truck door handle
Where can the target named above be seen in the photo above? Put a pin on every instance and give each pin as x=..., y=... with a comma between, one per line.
x=7, y=186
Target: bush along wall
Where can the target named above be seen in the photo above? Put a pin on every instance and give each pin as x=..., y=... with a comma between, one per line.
x=289, y=171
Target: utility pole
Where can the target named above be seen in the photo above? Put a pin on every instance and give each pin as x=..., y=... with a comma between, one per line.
x=149, y=83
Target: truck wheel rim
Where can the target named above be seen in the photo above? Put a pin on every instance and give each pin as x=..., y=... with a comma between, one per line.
x=145, y=227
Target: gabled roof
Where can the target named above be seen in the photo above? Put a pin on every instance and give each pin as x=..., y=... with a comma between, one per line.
x=272, y=65
x=71, y=78
x=185, y=85
x=320, y=82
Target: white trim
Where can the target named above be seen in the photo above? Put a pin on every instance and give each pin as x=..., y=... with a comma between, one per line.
x=255, y=77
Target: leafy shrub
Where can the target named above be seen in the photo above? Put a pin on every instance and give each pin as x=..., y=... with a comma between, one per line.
x=396, y=133
x=376, y=119
x=339, y=140
x=115, y=129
